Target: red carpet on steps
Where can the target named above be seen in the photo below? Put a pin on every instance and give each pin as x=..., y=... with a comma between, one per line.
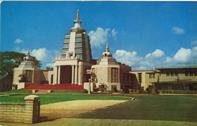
x=54, y=87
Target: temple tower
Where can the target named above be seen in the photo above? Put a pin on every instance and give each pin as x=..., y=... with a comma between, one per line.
x=76, y=43
x=75, y=58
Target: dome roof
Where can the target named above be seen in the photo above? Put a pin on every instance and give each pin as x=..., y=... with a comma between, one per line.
x=107, y=57
x=27, y=63
x=107, y=52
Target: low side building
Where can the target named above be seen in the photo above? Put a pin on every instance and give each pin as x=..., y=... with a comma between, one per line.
x=177, y=78
x=27, y=73
x=143, y=78
x=110, y=75
x=168, y=78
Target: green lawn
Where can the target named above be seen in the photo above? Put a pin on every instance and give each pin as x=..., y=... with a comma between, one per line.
x=170, y=108
x=104, y=122
x=56, y=96
x=146, y=110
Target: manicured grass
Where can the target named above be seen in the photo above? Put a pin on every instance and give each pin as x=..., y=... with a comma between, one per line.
x=103, y=122
x=56, y=96
x=16, y=92
x=46, y=99
x=12, y=99
x=147, y=110
x=170, y=108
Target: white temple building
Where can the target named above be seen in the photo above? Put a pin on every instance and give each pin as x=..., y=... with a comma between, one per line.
x=75, y=65
x=75, y=58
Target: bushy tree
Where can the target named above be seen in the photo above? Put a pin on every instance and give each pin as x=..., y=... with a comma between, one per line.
x=9, y=60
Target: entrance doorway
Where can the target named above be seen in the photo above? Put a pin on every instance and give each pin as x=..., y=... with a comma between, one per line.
x=65, y=74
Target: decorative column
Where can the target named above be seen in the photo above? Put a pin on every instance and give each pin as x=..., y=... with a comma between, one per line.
x=73, y=74
x=55, y=75
x=79, y=72
x=59, y=74
x=76, y=74
x=33, y=78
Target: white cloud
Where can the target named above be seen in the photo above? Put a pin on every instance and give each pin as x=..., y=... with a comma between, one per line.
x=182, y=55
x=40, y=53
x=155, y=54
x=122, y=53
x=100, y=36
x=127, y=57
x=18, y=41
x=114, y=33
x=178, y=30
x=157, y=58
x=131, y=58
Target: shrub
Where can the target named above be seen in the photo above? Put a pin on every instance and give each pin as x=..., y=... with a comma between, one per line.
x=85, y=91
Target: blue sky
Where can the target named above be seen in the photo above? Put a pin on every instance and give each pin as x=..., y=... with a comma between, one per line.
x=140, y=34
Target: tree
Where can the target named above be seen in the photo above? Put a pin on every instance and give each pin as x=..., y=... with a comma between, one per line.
x=10, y=60
x=49, y=68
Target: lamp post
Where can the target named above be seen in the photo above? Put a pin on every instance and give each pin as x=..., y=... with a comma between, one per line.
x=89, y=87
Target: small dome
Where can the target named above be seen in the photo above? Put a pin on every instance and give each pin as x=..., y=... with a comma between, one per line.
x=27, y=63
x=107, y=52
x=27, y=57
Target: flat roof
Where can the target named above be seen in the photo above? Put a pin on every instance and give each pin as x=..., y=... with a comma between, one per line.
x=176, y=68
x=167, y=68
x=142, y=70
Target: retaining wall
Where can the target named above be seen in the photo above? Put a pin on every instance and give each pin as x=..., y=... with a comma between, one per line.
x=28, y=112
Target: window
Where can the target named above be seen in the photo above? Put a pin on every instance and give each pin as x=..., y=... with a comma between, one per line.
x=79, y=56
x=28, y=74
x=186, y=73
x=190, y=73
x=78, y=50
x=78, y=39
x=78, y=35
x=66, y=45
x=171, y=74
x=140, y=77
x=114, y=75
x=66, y=40
x=151, y=75
x=77, y=45
x=51, y=78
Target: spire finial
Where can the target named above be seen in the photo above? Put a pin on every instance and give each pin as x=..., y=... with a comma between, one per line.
x=28, y=53
x=77, y=20
x=107, y=47
x=78, y=15
x=28, y=56
x=107, y=52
